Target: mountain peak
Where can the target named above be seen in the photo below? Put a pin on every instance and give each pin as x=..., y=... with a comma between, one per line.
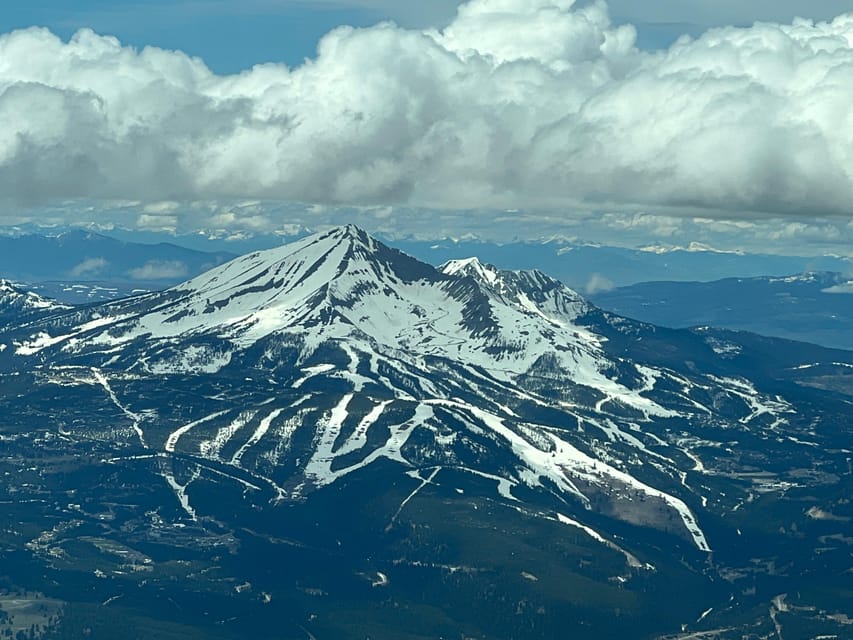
x=16, y=301
x=342, y=283
x=9, y=288
x=293, y=270
x=349, y=233
x=471, y=267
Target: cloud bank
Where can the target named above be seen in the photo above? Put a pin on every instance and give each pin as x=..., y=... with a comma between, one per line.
x=516, y=104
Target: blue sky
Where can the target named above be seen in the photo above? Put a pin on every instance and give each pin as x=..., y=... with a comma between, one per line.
x=229, y=35
x=228, y=40
x=232, y=35
x=571, y=116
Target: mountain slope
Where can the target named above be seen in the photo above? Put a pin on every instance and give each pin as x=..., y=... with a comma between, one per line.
x=337, y=380
x=18, y=304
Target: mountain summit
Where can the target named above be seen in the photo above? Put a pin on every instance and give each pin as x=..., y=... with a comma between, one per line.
x=337, y=380
x=341, y=305
x=343, y=283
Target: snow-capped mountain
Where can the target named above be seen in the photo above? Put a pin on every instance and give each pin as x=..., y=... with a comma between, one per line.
x=302, y=371
x=341, y=305
x=345, y=286
x=17, y=304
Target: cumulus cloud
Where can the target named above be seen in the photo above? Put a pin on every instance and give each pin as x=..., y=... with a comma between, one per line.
x=516, y=103
x=160, y=270
x=89, y=267
x=845, y=288
x=156, y=222
x=598, y=284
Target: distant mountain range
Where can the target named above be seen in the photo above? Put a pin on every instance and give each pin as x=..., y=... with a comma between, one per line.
x=814, y=307
x=333, y=439
x=80, y=266
x=80, y=257
x=592, y=269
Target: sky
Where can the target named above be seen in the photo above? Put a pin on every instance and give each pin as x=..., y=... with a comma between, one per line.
x=662, y=122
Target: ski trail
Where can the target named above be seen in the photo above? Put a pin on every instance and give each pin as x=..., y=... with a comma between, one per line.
x=359, y=439
x=181, y=491
x=776, y=608
x=135, y=418
x=563, y=459
x=424, y=482
x=256, y=437
x=319, y=467
x=630, y=558
x=504, y=485
x=213, y=448
x=172, y=440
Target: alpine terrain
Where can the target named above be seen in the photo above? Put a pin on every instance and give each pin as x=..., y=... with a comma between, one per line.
x=331, y=439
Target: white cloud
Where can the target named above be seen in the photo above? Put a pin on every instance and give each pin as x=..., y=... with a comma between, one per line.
x=845, y=288
x=89, y=267
x=160, y=270
x=516, y=104
x=160, y=208
x=156, y=222
x=598, y=284
x=240, y=219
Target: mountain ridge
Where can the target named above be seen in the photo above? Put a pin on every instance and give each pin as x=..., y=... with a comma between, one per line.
x=811, y=307
x=342, y=285
x=85, y=256
x=339, y=366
